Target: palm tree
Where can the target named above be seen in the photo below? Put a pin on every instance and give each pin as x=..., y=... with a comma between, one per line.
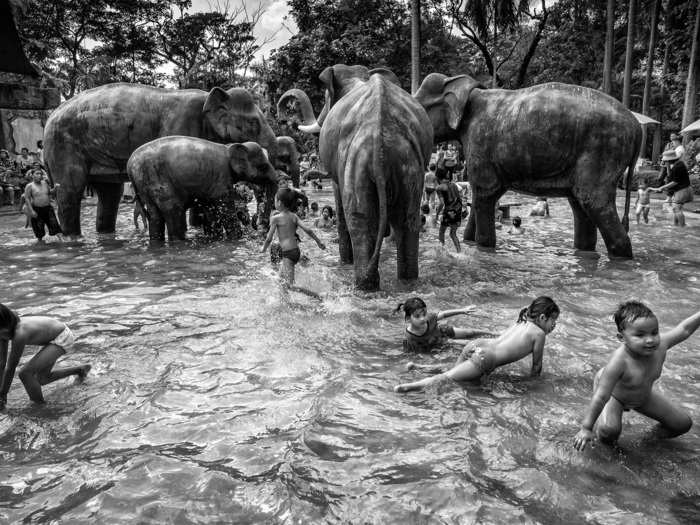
x=609, y=44
x=626, y=86
x=415, y=45
x=690, y=85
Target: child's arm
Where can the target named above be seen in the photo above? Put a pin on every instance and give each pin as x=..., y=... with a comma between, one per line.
x=28, y=199
x=606, y=383
x=546, y=209
x=9, y=367
x=311, y=234
x=449, y=313
x=52, y=191
x=3, y=360
x=682, y=331
x=537, y=354
x=270, y=234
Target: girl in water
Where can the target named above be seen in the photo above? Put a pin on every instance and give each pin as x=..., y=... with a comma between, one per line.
x=423, y=333
x=481, y=357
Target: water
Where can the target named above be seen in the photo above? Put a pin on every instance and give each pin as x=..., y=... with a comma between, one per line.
x=210, y=400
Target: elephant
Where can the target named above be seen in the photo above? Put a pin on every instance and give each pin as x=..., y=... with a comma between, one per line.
x=375, y=141
x=551, y=139
x=170, y=173
x=287, y=158
x=90, y=137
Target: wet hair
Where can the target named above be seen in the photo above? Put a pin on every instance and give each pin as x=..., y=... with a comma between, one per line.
x=287, y=197
x=330, y=210
x=314, y=205
x=517, y=221
x=425, y=208
x=411, y=305
x=542, y=305
x=629, y=311
x=432, y=166
x=442, y=174
x=8, y=319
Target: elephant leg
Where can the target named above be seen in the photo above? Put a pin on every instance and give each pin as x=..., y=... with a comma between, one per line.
x=109, y=195
x=156, y=223
x=484, y=210
x=174, y=222
x=585, y=232
x=608, y=222
x=344, y=242
x=363, y=226
x=406, y=253
x=71, y=174
x=470, y=228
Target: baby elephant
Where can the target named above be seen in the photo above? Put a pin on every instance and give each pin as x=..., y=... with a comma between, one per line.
x=169, y=173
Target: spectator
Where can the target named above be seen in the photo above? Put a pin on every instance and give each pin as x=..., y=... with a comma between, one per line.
x=677, y=185
x=24, y=161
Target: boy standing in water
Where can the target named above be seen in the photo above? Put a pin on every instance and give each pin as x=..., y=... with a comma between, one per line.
x=642, y=204
x=37, y=196
x=625, y=383
x=285, y=223
x=451, y=207
x=53, y=336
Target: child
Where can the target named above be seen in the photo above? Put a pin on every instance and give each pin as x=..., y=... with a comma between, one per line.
x=314, y=210
x=642, y=204
x=53, y=336
x=285, y=223
x=425, y=214
x=423, y=333
x=523, y=338
x=540, y=208
x=516, y=229
x=626, y=381
x=429, y=184
x=451, y=207
x=326, y=220
x=37, y=196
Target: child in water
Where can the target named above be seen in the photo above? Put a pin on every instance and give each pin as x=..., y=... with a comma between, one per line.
x=423, y=333
x=481, y=357
x=516, y=229
x=285, y=223
x=626, y=382
x=643, y=203
x=52, y=335
x=326, y=220
x=540, y=208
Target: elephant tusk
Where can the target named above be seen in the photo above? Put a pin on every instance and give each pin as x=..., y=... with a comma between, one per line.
x=311, y=128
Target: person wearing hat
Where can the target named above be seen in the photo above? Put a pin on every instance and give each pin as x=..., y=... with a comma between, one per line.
x=678, y=147
x=677, y=185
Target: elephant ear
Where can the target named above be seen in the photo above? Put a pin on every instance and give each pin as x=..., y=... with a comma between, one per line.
x=327, y=76
x=456, y=92
x=215, y=110
x=386, y=73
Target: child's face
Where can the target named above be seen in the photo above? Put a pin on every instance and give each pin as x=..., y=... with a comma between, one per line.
x=643, y=185
x=547, y=323
x=278, y=205
x=325, y=213
x=419, y=320
x=641, y=336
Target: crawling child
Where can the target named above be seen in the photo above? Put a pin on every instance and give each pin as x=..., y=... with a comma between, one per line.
x=626, y=382
x=481, y=357
x=55, y=339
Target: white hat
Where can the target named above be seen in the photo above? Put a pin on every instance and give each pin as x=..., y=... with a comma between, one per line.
x=669, y=155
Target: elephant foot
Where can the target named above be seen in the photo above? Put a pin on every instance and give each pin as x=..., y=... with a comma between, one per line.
x=368, y=283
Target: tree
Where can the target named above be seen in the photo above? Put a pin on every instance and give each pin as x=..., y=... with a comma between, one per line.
x=609, y=43
x=691, y=83
x=415, y=45
x=627, y=86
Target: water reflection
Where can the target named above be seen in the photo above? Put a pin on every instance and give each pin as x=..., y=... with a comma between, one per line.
x=211, y=399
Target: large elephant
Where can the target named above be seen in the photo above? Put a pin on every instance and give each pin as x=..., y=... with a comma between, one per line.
x=287, y=158
x=375, y=141
x=551, y=139
x=90, y=137
x=170, y=173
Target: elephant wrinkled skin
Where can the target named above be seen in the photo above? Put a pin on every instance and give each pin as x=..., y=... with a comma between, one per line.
x=552, y=140
x=90, y=137
x=171, y=172
x=375, y=140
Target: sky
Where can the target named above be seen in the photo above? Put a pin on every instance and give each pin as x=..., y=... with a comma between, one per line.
x=271, y=24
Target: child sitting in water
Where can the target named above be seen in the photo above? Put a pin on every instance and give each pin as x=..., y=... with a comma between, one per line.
x=53, y=336
x=423, y=333
x=516, y=229
x=481, y=357
x=540, y=208
x=326, y=220
x=626, y=382
x=314, y=210
x=643, y=203
x=285, y=223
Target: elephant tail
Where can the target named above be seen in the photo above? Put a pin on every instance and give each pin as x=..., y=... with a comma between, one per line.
x=380, y=182
x=628, y=186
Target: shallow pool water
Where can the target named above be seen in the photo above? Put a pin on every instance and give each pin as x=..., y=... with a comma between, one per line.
x=212, y=400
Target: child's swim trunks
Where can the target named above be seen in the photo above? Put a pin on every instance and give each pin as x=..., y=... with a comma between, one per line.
x=293, y=255
x=65, y=339
x=483, y=361
x=435, y=335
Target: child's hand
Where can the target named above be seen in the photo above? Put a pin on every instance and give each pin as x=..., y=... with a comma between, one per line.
x=321, y=245
x=582, y=438
x=263, y=249
x=468, y=309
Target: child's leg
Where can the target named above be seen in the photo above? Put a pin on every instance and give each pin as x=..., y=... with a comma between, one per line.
x=287, y=271
x=420, y=385
x=441, y=234
x=465, y=371
x=433, y=369
x=609, y=423
x=645, y=213
x=466, y=333
x=38, y=371
x=453, y=236
x=672, y=420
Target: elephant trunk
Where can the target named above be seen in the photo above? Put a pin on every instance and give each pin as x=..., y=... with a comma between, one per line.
x=308, y=121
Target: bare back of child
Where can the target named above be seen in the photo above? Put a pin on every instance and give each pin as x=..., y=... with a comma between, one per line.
x=481, y=357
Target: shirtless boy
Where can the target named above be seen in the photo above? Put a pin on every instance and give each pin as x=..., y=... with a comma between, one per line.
x=37, y=196
x=626, y=382
x=55, y=339
x=285, y=223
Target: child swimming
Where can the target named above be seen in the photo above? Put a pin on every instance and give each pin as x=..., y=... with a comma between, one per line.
x=55, y=339
x=626, y=382
x=481, y=357
x=423, y=333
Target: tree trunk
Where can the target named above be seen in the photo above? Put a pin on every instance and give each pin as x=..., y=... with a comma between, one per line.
x=650, y=66
x=494, y=81
x=627, y=86
x=415, y=45
x=662, y=97
x=609, y=43
x=690, y=92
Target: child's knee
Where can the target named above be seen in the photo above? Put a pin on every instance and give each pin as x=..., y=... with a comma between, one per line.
x=682, y=425
x=608, y=433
